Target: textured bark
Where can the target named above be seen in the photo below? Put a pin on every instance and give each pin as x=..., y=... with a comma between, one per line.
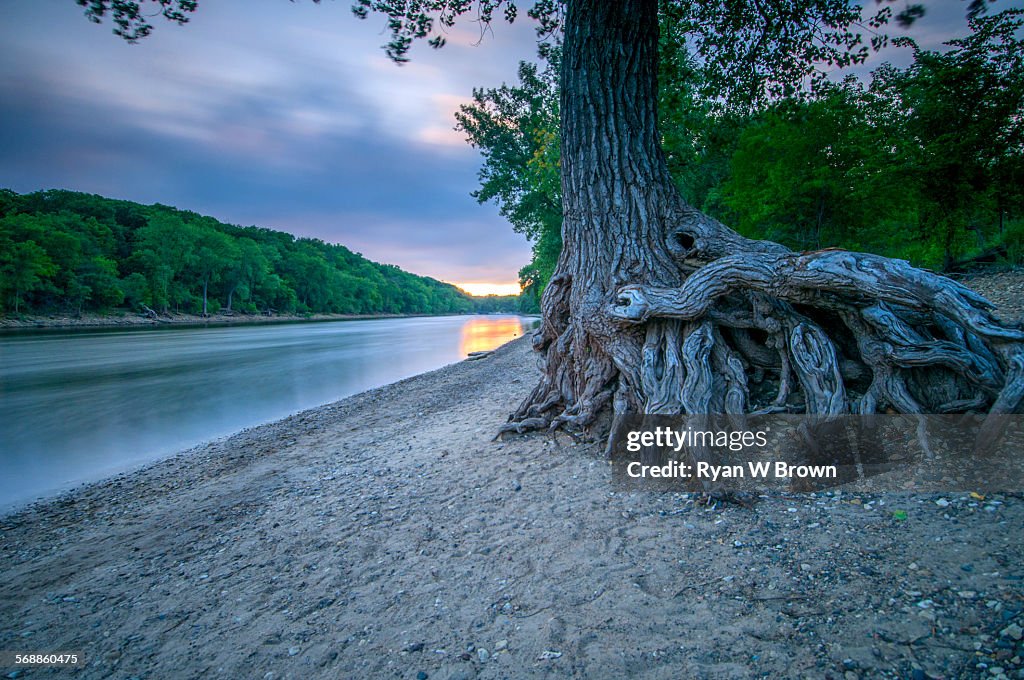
x=616, y=193
x=656, y=308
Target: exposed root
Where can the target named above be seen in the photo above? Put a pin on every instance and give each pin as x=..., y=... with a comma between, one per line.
x=523, y=426
x=928, y=344
x=826, y=278
x=765, y=330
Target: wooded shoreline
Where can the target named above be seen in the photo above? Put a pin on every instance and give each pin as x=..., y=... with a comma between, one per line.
x=29, y=323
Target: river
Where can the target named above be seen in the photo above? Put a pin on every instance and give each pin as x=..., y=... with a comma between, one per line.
x=79, y=406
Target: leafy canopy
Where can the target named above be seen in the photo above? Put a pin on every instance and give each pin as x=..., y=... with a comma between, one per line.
x=68, y=251
x=924, y=163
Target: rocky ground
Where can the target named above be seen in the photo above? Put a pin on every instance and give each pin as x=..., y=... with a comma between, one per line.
x=388, y=536
x=1005, y=289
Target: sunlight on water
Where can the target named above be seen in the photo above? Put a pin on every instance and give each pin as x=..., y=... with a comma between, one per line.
x=483, y=334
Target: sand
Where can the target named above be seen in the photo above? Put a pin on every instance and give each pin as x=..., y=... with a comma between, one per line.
x=388, y=536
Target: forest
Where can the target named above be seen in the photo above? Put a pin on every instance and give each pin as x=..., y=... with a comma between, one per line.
x=70, y=252
x=923, y=163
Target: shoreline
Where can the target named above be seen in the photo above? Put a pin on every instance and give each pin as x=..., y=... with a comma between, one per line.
x=131, y=320
x=388, y=534
x=1004, y=287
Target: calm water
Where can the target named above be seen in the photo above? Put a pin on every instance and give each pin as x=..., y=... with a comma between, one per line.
x=80, y=406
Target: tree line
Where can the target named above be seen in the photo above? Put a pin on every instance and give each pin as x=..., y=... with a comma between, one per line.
x=75, y=252
x=923, y=163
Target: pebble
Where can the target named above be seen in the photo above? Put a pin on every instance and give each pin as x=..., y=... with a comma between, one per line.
x=1012, y=631
x=422, y=676
x=292, y=651
x=483, y=655
x=500, y=645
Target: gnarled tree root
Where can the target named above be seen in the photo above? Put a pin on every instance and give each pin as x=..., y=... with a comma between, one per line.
x=766, y=330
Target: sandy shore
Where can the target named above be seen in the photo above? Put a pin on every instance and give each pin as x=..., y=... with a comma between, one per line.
x=388, y=536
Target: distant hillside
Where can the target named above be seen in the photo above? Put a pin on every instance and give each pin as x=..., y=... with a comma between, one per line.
x=69, y=251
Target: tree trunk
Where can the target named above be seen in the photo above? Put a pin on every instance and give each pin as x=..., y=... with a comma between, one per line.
x=206, y=285
x=656, y=308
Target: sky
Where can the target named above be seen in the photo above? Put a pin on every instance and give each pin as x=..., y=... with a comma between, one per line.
x=283, y=115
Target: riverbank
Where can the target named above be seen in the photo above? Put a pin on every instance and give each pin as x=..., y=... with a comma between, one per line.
x=388, y=535
x=134, y=320
x=1003, y=288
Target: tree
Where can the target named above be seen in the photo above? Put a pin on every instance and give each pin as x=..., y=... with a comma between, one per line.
x=964, y=126
x=162, y=252
x=210, y=255
x=247, y=268
x=652, y=303
x=792, y=168
x=516, y=128
x=25, y=267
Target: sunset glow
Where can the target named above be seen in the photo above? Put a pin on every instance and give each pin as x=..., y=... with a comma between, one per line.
x=490, y=288
x=484, y=334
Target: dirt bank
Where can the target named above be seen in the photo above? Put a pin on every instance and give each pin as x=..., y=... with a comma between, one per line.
x=387, y=535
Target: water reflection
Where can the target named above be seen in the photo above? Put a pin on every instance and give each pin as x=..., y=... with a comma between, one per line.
x=482, y=334
x=81, y=406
